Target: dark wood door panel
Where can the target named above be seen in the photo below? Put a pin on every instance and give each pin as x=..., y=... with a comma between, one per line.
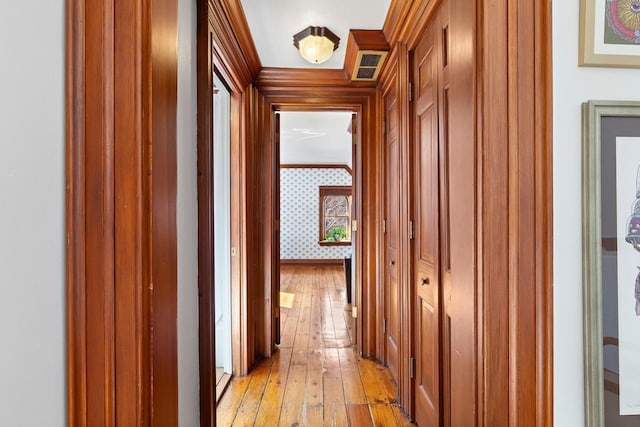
x=393, y=238
x=426, y=179
x=427, y=374
x=427, y=284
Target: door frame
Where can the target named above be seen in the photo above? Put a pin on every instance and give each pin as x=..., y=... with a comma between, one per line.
x=276, y=109
x=288, y=89
x=354, y=171
x=237, y=67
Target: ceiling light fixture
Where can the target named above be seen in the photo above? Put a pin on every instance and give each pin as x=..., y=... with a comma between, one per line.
x=316, y=44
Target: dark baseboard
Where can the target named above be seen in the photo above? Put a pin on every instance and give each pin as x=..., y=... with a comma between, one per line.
x=311, y=261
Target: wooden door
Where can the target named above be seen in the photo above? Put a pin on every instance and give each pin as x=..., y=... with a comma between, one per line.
x=275, y=290
x=443, y=210
x=355, y=254
x=392, y=235
x=429, y=178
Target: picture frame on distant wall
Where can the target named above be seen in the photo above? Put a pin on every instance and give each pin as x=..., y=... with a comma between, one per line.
x=611, y=262
x=610, y=33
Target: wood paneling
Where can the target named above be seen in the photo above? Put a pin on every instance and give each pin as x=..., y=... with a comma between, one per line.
x=121, y=281
x=462, y=293
x=76, y=216
x=393, y=237
x=428, y=142
x=278, y=77
x=206, y=294
x=395, y=91
x=164, y=102
x=515, y=171
x=406, y=21
x=275, y=274
x=499, y=105
x=225, y=47
x=233, y=44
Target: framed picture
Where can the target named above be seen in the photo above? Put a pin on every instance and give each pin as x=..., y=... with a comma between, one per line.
x=610, y=33
x=611, y=262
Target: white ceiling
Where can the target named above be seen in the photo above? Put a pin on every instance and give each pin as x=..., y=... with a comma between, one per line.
x=274, y=22
x=318, y=137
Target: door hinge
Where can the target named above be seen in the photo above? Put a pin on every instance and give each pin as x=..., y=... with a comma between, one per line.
x=354, y=312
x=411, y=232
x=410, y=92
x=384, y=127
x=384, y=326
x=277, y=225
x=412, y=367
x=354, y=225
x=384, y=226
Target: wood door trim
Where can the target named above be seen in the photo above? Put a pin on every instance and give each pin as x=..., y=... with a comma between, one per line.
x=121, y=94
x=406, y=21
x=330, y=99
x=523, y=268
x=296, y=77
x=231, y=52
x=233, y=43
x=206, y=294
x=514, y=81
x=76, y=216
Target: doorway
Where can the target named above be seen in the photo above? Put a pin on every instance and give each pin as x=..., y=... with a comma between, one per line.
x=317, y=186
x=222, y=232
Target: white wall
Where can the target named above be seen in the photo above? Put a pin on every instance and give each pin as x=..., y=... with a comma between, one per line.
x=572, y=86
x=187, y=219
x=32, y=214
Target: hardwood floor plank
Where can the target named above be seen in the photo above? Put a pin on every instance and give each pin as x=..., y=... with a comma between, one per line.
x=401, y=419
x=316, y=338
x=335, y=415
x=374, y=389
x=314, y=385
x=332, y=378
x=326, y=319
x=221, y=386
x=351, y=381
x=359, y=415
x=288, y=334
x=314, y=416
x=271, y=404
x=228, y=406
x=294, y=395
x=387, y=382
x=248, y=409
x=383, y=415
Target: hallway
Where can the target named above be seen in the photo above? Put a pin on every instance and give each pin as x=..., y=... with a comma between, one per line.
x=315, y=378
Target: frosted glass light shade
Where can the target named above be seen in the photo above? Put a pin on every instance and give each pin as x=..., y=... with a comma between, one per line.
x=316, y=44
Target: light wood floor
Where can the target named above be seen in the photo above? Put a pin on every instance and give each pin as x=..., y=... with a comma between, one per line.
x=315, y=378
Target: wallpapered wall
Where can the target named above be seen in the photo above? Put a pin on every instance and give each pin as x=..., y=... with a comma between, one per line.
x=299, y=209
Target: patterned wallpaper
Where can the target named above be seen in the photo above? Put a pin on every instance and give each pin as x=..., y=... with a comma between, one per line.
x=299, y=192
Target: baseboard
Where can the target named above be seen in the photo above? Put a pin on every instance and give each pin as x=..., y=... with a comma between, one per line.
x=311, y=261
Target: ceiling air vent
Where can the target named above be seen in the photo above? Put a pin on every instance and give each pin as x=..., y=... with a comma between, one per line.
x=366, y=52
x=369, y=64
